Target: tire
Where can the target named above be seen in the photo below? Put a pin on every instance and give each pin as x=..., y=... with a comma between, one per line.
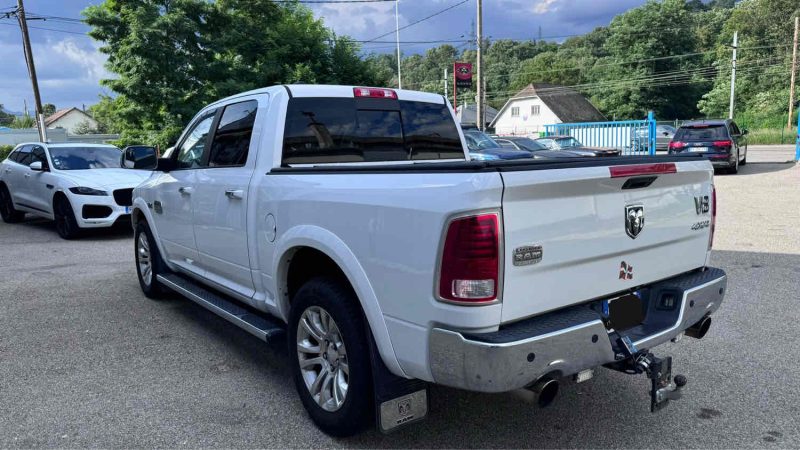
x=66, y=225
x=734, y=169
x=148, y=262
x=7, y=210
x=345, y=332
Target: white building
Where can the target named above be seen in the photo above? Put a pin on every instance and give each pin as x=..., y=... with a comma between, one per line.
x=468, y=114
x=543, y=104
x=69, y=119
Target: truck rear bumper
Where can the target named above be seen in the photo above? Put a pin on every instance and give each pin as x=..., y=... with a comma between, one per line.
x=566, y=341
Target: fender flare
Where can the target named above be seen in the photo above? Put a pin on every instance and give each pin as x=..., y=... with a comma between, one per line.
x=328, y=243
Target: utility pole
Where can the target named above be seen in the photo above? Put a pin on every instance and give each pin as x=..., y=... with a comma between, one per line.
x=26, y=45
x=483, y=102
x=397, y=36
x=733, y=72
x=794, y=70
x=479, y=110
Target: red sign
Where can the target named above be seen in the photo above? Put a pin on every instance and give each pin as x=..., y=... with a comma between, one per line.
x=463, y=73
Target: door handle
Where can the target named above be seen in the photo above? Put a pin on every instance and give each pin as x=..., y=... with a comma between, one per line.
x=8, y=169
x=186, y=190
x=237, y=194
x=27, y=175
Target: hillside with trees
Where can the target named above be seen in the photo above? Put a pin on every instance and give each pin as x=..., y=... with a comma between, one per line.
x=673, y=57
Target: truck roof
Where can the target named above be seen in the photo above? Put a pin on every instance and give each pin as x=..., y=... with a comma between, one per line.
x=329, y=90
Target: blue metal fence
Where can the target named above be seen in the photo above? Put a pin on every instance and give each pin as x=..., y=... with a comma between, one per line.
x=797, y=143
x=632, y=137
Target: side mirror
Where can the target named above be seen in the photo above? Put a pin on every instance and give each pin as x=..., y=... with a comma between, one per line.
x=744, y=132
x=165, y=165
x=36, y=166
x=139, y=157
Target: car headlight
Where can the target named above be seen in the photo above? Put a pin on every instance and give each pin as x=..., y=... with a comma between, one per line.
x=82, y=190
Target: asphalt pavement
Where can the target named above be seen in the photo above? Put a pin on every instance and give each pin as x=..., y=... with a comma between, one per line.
x=87, y=361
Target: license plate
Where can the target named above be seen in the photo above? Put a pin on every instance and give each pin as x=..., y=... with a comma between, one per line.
x=699, y=149
x=625, y=312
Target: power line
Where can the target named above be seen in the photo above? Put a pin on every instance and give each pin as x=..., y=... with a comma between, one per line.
x=51, y=29
x=418, y=21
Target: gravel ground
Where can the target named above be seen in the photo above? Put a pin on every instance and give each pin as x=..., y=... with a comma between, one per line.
x=87, y=361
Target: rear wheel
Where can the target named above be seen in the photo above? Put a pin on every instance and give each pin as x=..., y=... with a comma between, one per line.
x=734, y=169
x=7, y=210
x=330, y=358
x=148, y=262
x=66, y=225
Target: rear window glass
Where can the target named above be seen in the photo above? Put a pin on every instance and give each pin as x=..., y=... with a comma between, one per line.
x=341, y=130
x=703, y=133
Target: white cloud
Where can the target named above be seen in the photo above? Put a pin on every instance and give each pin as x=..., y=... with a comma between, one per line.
x=545, y=6
x=92, y=62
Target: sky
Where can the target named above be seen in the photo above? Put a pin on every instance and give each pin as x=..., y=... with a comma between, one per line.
x=70, y=67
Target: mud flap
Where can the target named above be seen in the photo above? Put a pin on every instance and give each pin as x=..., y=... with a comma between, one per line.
x=398, y=401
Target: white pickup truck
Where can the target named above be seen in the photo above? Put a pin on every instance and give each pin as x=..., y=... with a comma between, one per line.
x=351, y=220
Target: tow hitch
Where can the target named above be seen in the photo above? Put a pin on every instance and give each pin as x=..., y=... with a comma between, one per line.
x=663, y=387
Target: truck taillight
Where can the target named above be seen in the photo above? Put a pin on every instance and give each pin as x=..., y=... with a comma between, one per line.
x=713, y=215
x=470, y=265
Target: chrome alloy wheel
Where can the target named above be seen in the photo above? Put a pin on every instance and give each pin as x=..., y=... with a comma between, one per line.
x=323, y=358
x=143, y=260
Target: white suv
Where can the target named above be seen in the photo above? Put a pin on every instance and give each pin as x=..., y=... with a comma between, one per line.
x=77, y=185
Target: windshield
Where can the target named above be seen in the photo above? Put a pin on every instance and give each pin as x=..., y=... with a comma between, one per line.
x=478, y=140
x=82, y=158
x=701, y=133
x=529, y=145
x=567, y=142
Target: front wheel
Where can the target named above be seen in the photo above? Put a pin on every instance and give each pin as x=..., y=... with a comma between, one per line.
x=148, y=262
x=66, y=225
x=7, y=210
x=330, y=358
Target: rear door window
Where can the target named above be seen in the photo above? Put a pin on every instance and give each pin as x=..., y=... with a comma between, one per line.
x=232, y=137
x=343, y=130
x=702, y=133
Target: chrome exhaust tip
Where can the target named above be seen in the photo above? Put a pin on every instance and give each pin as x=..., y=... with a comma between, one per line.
x=699, y=330
x=546, y=390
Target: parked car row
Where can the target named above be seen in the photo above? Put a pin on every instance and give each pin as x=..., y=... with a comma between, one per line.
x=485, y=147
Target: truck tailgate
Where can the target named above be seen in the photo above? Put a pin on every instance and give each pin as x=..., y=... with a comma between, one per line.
x=577, y=217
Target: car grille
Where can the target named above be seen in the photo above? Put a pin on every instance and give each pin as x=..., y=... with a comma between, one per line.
x=96, y=211
x=124, y=197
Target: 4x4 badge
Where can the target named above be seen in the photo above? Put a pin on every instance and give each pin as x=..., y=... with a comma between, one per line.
x=634, y=220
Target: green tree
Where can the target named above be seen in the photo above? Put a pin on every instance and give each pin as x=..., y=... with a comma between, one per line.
x=762, y=88
x=5, y=118
x=48, y=109
x=171, y=57
x=648, y=56
x=25, y=121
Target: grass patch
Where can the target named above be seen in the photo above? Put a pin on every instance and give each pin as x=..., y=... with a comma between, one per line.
x=768, y=136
